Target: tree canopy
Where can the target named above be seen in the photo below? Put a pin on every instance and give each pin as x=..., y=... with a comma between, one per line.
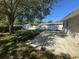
x=29, y=9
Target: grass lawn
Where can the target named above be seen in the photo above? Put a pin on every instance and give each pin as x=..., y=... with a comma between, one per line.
x=13, y=46
x=16, y=48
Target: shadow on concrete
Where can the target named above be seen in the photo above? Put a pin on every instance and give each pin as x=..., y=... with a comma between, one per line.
x=61, y=34
x=44, y=39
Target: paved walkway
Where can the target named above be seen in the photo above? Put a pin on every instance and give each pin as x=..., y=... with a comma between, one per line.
x=56, y=43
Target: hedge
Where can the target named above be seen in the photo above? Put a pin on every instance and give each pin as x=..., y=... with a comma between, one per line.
x=6, y=29
x=24, y=35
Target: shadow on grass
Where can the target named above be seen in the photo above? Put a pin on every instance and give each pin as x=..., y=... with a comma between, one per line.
x=61, y=56
x=13, y=49
x=17, y=49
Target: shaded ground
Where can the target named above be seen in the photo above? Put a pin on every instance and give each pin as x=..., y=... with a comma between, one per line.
x=12, y=48
x=59, y=46
x=57, y=43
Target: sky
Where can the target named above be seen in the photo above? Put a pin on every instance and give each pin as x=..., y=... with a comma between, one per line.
x=61, y=9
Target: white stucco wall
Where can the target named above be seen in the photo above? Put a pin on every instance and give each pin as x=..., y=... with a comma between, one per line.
x=44, y=27
x=73, y=27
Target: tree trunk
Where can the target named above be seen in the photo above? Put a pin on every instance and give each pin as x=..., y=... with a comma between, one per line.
x=11, y=30
x=10, y=24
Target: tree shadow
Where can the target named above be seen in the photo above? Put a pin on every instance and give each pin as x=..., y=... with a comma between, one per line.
x=65, y=56
x=18, y=50
x=47, y=38
x=6, y=47
x=15, y=49
x=61, y=34
x=43, y=39
x=54, y=56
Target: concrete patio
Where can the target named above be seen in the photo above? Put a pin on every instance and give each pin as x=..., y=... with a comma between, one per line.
x=57, y=43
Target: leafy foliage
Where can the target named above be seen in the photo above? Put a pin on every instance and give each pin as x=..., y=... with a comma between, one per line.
x=2, y=21
x=4, y=28
x=33, y=55
x=10, y=48
x=24, y=35
x=28, y=9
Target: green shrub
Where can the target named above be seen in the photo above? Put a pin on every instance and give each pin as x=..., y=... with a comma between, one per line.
x=33, y=55
x=6, y=36
x=25, y=35
x=4, y=29
x=49, y=55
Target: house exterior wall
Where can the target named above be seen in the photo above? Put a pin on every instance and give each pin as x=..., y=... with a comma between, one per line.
x=55, y=26
x=52, y=27
x=44, y=26
x=71, y=26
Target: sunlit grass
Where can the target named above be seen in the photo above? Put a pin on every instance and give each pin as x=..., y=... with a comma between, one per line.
x=10, y=48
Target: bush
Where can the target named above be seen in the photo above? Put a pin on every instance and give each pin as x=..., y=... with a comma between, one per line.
x=25, y=35
x=6, y=28
x=20, y=35
x=33, y=55
x=17, y=28
x=49, y=55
